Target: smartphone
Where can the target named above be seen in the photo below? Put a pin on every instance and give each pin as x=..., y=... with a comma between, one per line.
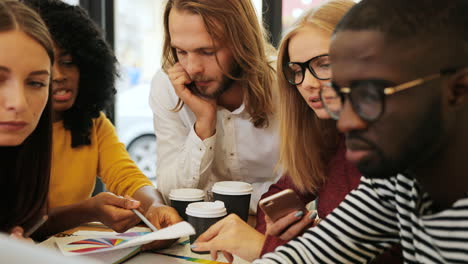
x=282, y=203
x=191, y=86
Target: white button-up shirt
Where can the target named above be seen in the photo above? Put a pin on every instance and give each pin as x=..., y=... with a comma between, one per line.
x=237, y=152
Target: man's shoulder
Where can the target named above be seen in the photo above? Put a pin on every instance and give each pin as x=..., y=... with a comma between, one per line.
x=160, y=80
x=160, y=74
x=393, y=185
x=162, y=92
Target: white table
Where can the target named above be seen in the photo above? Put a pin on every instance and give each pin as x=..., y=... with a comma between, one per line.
x=177, y=250
x=181, y=255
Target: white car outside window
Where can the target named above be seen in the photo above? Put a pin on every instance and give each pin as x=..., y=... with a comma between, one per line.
x=134, y=124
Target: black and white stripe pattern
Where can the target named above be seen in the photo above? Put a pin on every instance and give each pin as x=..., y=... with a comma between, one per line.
x=376, y=215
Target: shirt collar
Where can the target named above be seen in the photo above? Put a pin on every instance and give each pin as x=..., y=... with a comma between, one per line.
x=239, y=111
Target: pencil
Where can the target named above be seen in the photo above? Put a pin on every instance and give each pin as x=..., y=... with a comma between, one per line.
x=36, y=226
x=146, y=221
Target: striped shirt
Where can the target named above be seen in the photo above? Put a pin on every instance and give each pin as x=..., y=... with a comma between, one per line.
x=379, y=213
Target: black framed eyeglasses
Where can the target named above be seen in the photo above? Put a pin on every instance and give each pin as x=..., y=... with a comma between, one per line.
x=368, y=97
x=319, y=66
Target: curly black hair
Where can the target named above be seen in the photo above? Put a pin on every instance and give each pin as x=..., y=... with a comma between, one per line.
x=74, y=31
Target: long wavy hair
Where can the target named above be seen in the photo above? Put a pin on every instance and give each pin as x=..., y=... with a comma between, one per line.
x=75, y=32
x=25, y=169
x=245, y=37
x=307, y=143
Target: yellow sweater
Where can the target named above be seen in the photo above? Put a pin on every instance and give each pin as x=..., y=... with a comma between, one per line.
x=74, y=170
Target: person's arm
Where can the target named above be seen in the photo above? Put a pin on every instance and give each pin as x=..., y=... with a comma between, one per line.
x=155, y=211
x=360, y=228
x=116, y=169
x=105, y=207
x=184, y=159
x=232, y=236
x=18, y=233
x=122, y=177
x=203, y=108
x=364, y=225
x=292, y=224
x=271, y=242
x=277, y=187
x=283, y=183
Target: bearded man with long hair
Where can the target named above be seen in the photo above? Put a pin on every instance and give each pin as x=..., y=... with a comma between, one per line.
x=213, y=99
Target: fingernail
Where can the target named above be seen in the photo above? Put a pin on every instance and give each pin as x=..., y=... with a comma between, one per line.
x=16, y=235
x=193, y=246
x=313, y=215
x=133, y=203
x=299, y=214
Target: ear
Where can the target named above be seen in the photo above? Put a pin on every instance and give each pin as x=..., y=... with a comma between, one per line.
x=458, y=94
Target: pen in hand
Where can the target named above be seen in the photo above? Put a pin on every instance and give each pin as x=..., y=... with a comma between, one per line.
x=145, y=220
x=36, y=226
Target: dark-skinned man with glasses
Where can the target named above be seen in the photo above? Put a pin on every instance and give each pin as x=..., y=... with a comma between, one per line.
x=399, y=90
x=400, y=94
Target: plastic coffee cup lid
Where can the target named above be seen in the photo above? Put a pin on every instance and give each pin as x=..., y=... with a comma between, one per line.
x=206, y=209
x=232, y=188
x=186, y=194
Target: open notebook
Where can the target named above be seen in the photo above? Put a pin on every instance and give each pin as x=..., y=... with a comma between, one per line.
x=111, y=247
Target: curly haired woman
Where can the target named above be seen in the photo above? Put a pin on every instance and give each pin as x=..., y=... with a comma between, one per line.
x=85, y=143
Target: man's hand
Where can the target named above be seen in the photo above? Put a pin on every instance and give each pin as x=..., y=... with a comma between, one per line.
x=204, y=109
x=161, y=216
x=291, y=225
x=231, y=236
x=115, y=211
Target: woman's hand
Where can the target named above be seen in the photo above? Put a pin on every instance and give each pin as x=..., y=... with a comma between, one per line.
x=17, y=232
x=161, y=216
x=231, y=235
x=115, y=211
x=291, y=225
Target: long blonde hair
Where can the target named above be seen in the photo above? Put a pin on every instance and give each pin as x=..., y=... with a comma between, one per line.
x=247, y=40
x=307, y=143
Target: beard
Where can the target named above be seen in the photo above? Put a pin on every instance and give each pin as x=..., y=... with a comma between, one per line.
x=376, y=164
x=417, y=149
x=224, y=85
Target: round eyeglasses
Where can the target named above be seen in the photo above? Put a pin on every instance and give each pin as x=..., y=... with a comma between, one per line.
x=319, y=66
x=367, y=97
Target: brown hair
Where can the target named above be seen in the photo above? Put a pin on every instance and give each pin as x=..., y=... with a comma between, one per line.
x=25, y=169
x=307, y=143
x=247, y=40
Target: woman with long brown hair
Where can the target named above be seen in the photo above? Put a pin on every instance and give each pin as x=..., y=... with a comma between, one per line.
x=26, y=58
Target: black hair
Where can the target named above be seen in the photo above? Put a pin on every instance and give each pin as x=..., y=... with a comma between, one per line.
x=75, y=32
x=25, y=169
x=411, y=19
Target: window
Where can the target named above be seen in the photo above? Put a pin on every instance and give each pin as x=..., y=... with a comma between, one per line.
x=72, y=2
x=138, y=40
x=293, y=9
